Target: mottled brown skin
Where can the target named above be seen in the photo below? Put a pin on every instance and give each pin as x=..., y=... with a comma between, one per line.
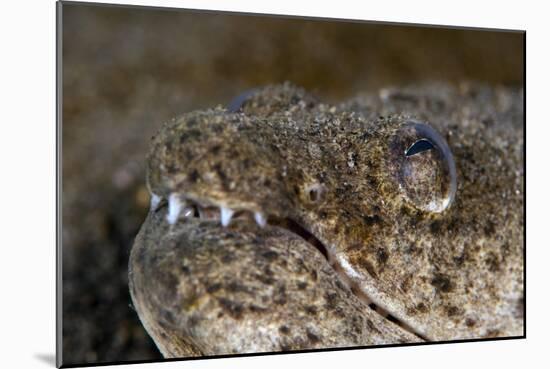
x=200, y=289
x=457, y=274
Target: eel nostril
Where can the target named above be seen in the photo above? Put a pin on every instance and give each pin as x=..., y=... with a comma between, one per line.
x=314, y=195
x=315, y=192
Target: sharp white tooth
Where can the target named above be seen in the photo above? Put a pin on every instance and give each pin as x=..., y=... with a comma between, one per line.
x=260, y=219
x=226, y=215
x=174, y=208
x=155, y=201
x=188, y=212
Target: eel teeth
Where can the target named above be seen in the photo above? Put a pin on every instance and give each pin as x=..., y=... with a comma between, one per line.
x=155, y=201
x=188, y=212
x=260, y=219
x=226, y=215
x=174, y=208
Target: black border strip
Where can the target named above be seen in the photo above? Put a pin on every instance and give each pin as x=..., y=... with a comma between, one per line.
x=58, y=184
x=525, y=185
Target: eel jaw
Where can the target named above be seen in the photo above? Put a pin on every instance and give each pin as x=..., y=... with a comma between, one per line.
x=181, y=207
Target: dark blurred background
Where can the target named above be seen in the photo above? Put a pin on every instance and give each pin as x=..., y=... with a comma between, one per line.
x=126, y=70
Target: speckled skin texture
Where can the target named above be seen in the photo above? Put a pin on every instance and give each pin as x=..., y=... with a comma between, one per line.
x=202, y=289
x=200, y=299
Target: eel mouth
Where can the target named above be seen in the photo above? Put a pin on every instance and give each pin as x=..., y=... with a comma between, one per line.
x=180, y=207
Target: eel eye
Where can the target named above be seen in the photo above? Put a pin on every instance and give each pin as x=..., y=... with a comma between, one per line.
x=424, y=167
x=419, y=146
x=239, y=101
